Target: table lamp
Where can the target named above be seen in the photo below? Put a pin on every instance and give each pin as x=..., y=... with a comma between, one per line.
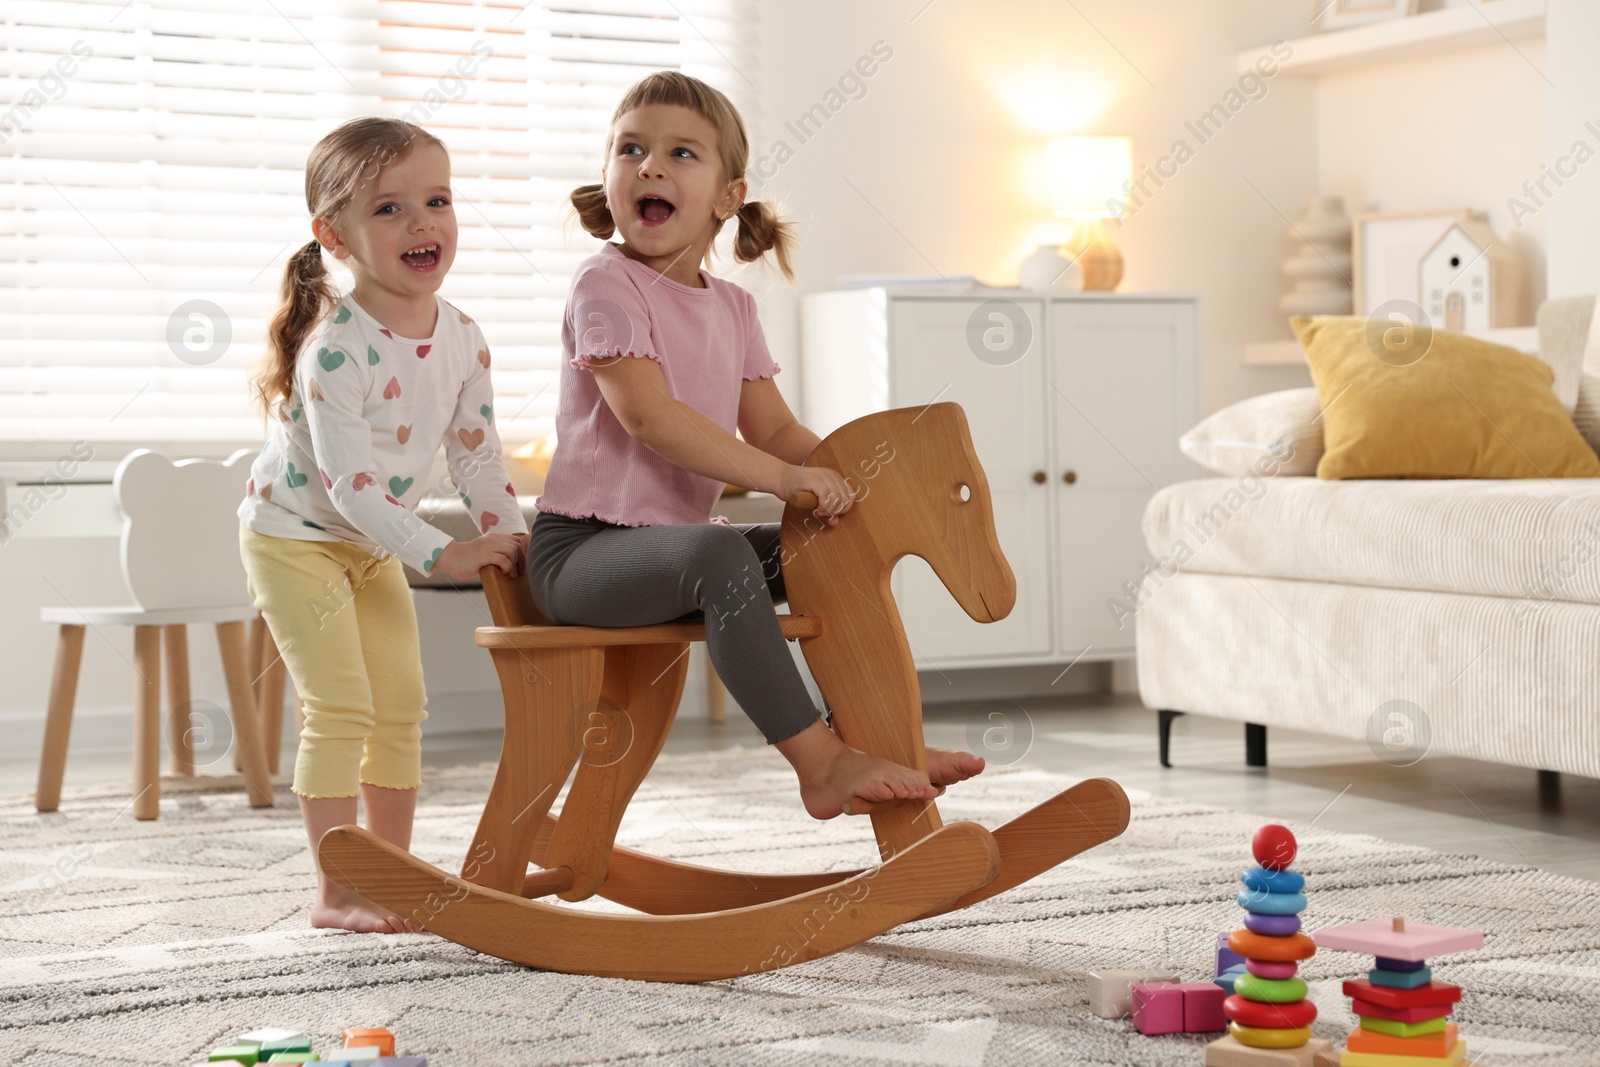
x=1088, y=181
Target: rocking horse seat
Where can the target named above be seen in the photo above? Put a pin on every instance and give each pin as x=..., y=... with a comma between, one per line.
x=603, y=699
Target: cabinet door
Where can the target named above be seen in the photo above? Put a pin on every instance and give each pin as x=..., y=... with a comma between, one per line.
x=1005, y=405
x=1124, y=389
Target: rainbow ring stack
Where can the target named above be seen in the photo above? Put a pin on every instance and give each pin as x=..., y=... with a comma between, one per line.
x=1404, y=1014
x=1269, y=1017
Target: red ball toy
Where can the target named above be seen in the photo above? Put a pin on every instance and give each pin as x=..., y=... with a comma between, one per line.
x=1273, y=847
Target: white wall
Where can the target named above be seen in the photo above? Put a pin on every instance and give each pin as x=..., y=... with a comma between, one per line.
x=1459, y=129
x=939, y=166
x=1573, y=88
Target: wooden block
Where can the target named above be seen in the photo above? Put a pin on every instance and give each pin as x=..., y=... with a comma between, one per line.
x=1423, y=996
x=268, y=1033
x=1225, y=957
x=292, y=1057
x=363, y=1054
x=246, y=1054
x=295, y=1043
x=1419, y=1014
x=1294, y=1014
x=1400, y=979
x=359, y=1036
x=401, y=1061
x=1109, y=994
x=1418, y=941
x=1422, y=1045
x=1269, y=1036
x=1157, y=1007
x=1202, y=1008
x=1226, y=1052
x=1380, y=1059
x=1254, y=946
x=1397, y=1029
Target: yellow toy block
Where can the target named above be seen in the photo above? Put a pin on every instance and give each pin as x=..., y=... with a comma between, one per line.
x=1384, y=1059
x=1267, y=1037
x=1226, y=1052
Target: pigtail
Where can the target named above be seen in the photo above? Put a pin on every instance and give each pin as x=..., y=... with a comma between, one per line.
x=761, y=231
x=590, y=203
x=304, y=297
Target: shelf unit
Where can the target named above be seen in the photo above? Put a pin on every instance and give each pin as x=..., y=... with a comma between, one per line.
x=1289, y=353
x=1396, y=40
x=1405, y=38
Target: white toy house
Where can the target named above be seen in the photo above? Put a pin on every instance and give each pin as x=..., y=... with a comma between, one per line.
x=1470, y=279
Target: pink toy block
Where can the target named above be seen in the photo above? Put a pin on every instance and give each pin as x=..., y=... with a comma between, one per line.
x=1398, y=939
x=1158, y=1007
x=1109, y=997
x=1202, y=1008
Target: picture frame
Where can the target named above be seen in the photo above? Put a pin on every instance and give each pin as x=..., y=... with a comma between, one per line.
x=1343, y=14
x=1385, y=249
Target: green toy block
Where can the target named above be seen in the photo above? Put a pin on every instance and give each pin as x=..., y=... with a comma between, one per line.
x=300, y=1043
x=1394, y=1029
x=248, y=1054
x=298, y=1056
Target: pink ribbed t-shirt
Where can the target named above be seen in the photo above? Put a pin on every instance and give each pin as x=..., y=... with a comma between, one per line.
x=708, y=342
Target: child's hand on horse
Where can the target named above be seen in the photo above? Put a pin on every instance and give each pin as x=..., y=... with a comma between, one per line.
x=833, y=493
x=463, y=559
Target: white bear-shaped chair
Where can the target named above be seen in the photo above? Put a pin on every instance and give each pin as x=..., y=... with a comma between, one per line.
x=180, y=559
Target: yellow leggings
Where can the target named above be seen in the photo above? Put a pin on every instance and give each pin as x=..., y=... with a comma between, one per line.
x=347, y=632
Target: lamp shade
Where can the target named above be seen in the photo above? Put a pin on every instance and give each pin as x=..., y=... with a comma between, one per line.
x=1088, y=175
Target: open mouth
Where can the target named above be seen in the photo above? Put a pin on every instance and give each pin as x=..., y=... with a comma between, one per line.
x=423, y=257
x=653, y=210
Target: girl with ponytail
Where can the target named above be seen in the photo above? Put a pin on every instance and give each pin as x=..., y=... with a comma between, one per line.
x=663, y=363
x=359, y=391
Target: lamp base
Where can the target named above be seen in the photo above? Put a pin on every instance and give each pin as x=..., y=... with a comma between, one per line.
x=1097, y=256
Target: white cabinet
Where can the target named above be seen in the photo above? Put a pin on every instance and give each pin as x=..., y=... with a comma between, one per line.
x=1075, y=403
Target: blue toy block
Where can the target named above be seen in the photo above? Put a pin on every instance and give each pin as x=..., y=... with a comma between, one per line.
x=1265, y=881
x=1271, y=903
x=1400, y=979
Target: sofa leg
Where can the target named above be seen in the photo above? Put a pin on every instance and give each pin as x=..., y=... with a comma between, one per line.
x=1550, y=788
x=1164, y=719
x=1255, y=745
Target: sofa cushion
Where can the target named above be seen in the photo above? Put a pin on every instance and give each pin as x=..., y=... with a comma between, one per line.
x=1282, y=428
x=1526, y=538
x=1402, y=402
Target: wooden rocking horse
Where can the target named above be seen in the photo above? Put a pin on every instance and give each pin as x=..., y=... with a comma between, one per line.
x=604, y=699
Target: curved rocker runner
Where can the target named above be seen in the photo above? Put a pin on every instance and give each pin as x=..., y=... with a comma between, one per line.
x=603, y=700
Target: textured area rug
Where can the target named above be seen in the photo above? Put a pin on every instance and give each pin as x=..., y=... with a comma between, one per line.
x=150, y=943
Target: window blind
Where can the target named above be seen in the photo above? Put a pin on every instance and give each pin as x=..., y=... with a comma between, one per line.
x=152, y=158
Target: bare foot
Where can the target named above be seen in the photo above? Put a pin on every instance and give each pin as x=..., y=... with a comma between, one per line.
x=852, y=773
x=947, y=766
x=355, y=912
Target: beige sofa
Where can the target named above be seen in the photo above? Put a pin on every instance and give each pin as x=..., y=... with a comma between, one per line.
x=1453, y=617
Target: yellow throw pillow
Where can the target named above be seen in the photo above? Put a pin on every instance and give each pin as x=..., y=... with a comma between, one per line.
x=1409, y=402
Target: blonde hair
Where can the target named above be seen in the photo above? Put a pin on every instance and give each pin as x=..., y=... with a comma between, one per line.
x=760, y=229
x=339, y=166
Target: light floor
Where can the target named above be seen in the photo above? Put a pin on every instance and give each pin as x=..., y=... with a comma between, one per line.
x=1453, y=805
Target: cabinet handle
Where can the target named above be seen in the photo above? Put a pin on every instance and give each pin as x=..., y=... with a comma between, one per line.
x=1070, y=477
x=1039, y=477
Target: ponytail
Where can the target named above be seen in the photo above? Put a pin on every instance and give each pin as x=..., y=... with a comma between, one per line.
x=304, y=297
x=589, y=201
x=761, y=231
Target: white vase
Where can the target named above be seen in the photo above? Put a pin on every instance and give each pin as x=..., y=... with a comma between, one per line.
x=1046, y=268
x=1320, y=266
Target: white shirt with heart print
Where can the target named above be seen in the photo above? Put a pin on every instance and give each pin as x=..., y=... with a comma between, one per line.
x=351, y=464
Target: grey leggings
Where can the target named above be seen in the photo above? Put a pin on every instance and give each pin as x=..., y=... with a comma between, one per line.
x=593, y=573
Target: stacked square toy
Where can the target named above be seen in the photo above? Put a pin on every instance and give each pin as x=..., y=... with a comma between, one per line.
x=1269, y=1015
x=1404, y=1014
